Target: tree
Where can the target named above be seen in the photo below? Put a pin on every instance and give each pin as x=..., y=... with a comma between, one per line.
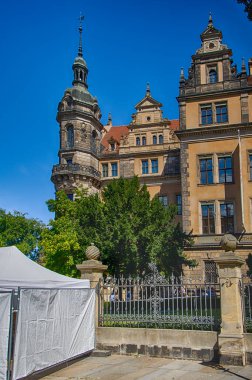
x=17, y=229
x=248, y=7
x=129, y=228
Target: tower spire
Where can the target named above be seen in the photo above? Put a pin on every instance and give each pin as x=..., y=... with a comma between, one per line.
x=148, y=93
x=81, y=18
x=210, y=20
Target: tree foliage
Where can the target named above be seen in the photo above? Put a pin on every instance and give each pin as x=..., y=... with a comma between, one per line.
x=129, y=228
x=248, y=7
x=17, y=229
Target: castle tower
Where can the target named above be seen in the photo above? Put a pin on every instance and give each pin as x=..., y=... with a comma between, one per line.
x=80, y=133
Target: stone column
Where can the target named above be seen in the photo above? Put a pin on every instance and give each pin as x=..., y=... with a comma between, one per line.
x=93, y=270
x=231, y=337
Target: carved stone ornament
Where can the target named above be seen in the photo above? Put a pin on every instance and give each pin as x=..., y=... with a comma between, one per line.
x=92, y=252
x=228, y=242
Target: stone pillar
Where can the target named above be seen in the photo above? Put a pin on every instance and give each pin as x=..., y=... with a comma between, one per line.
x=231, y=337
x=93, y=270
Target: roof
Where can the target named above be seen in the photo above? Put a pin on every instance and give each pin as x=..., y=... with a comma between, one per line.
x=115, y=133
x=17, y=270
x=174, y=124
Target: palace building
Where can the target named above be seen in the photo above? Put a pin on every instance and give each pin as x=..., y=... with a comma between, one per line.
x=201, y=162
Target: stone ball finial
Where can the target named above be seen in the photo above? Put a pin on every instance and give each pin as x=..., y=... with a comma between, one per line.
x=228, y=242
x=92, y=252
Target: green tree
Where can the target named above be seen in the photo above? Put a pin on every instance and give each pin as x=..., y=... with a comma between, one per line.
x=129, y=228
x=248, y=7
x=16, y=229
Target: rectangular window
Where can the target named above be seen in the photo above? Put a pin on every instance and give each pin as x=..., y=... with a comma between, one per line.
x=179, y=204
x=221, y=113
x=145, y=167
x=225, y=169
x=227, y=217
x=206, y=171
x=250, y=166
x=105, y=170
x=154, y=166
x=163, y=199
x=206, y=114
x=172, y=165
x=114, y=170
x=208, y=220
x=70, y=196
x=210, y=272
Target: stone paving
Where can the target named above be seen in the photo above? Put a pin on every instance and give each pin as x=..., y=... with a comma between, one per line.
x=147, y=368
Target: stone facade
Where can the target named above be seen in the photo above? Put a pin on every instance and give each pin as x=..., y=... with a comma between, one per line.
x=201, y=162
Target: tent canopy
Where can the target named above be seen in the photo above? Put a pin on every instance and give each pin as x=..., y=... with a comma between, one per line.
x=17, y=270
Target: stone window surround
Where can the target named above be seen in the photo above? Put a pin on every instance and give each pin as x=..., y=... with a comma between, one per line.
x=217, y=214
x=208, y=69
x=215, y=166
x=149, y=159
x=213, y=106
x=110, y=169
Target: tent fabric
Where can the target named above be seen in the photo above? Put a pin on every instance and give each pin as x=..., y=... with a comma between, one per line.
x=17, y=270
x=5, y=304
x=53, y=325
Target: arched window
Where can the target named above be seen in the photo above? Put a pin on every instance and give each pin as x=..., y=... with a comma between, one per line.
x=143, y=140
x=138, y=141
x=212, y=76
x=160, y=139
x=81, y=75
x=154, y=138
x=70, y=136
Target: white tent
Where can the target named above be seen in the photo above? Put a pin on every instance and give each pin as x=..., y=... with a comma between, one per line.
x=17, y=270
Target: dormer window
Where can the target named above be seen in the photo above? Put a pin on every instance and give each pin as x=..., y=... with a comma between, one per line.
x=112, y=146
x=212, y=76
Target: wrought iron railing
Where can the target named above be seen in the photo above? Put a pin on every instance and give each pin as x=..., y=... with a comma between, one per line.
x=158, y=302
x=247, y=303
x=77, y=169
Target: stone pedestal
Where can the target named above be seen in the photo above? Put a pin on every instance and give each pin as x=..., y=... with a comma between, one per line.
x=231, y=338
x=93, y=270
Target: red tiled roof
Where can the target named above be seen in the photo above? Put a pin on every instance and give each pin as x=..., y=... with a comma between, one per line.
x=115, y=133
x=174, y=124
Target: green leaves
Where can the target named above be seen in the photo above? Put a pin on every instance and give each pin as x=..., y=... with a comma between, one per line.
x=129, y=228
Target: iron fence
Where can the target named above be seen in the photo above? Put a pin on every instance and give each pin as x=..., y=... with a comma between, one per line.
x=247, y=303
x=157, y=302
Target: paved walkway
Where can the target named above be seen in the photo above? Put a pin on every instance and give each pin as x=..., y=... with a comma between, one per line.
x=146, y=368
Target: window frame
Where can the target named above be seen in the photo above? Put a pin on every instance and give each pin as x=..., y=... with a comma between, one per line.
x=179, y=204
x=145, y=166
x=154, y=140
x=210, y=227
x=114, y=169
x=154, y=165
x=103, y=171
x=143, y=140
x=221, y=114
x=250, y=165
x=204, y=119
x=163, y=199
x=226, y=221
x=138, y=141
x=225, y=169
x=206, y=171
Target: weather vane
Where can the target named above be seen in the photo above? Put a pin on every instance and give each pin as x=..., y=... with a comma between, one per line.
x=81, y=18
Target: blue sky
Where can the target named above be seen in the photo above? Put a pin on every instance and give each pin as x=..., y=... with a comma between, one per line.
x=126, y=44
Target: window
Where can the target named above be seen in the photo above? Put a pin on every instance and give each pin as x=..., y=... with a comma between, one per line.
x=70, y=136
x=143, y=140
x=206, y=114
x=112, y=147
x=163, y=199
x=227, y=217
x=154, y=139
x=225, y=169
x=212, y=76
x=160, y=139
x=70, y=196
x=105, y=170
x=172, y=165
x=210, y=272
x=250, y=166
x=69, y=161
x=208, y=220
x=179, y=204
x=148, y=118
x=145, y=167
x=114, y=169
x=154, y=166
x=221, y=113
x=206, y=171
x=138, y=141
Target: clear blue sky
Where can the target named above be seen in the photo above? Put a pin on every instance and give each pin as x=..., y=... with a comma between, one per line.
x=126, y=44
